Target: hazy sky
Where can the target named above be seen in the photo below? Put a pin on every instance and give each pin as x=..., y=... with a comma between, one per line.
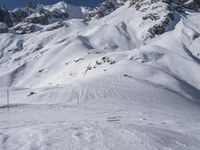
x=11, y=4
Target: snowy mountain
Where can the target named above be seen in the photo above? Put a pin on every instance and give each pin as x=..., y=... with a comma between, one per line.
x=123, y=75
x=40, y=14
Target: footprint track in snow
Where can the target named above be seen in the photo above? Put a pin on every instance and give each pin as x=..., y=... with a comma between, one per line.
x=114, y=119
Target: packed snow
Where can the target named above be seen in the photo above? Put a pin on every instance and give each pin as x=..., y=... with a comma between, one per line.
x=101, y=85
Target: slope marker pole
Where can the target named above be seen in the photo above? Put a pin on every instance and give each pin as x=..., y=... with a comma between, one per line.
x=8, y=99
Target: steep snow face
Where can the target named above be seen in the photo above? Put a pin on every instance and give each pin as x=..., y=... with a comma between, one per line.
x=110, y=83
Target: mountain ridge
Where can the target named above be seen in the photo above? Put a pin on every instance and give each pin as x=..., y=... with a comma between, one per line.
x=46, y=14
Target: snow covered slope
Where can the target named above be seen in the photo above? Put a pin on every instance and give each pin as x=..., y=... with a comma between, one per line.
x=125, y=80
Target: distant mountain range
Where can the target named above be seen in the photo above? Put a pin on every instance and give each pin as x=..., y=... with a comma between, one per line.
x=10, y=4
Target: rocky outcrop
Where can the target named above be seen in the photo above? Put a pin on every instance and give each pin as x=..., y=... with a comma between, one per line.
x=3, y=28
x=18, y=15
x=40, y=14
x=24, y=28
x=150, y=9
x=157, y=30
x=110, y=5
x=5, y=16
x=189, y=4
x=56, y=26
x=104, y=9
x=177, y=5
x=37, y=18
x=161, y=14
x=58, y=15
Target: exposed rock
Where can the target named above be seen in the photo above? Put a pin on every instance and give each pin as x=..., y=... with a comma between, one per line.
x=24, y=28
x=37, y=18
x=160, y=21
x=59, y=15
x=18, y=15
x=37, y=15
x=5, y=16
x=190, y=4
x=3, y=28
x=178, y=5
x=157, y=29
x=57, y=26
x=104, y=9
x=31, y=93
x=152, y=16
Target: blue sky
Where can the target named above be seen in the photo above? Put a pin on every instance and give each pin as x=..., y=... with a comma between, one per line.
x=11, y=4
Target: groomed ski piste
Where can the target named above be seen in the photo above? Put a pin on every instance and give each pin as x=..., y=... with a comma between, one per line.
x=99, y=85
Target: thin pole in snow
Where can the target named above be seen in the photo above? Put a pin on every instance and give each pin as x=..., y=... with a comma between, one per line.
x=78, y=99
x=78, y=95
x=8, y=105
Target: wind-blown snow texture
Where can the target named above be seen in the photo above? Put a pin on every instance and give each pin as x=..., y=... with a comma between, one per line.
x=105, y=82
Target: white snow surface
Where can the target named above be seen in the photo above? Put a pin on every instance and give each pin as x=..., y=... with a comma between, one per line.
x=99, y=86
